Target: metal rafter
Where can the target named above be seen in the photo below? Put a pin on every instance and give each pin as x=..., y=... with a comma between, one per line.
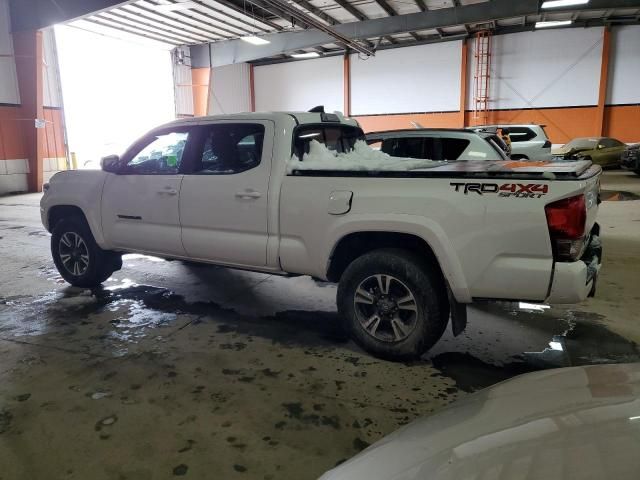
x=309, y=20
x=278, y=10
x=252, y=24
x=134, y=31
x=421, y=5
x=147, y=12
x=116, y=16
x=232, y=6
x=392, y=13
x=358, y=15
x=317, y=12
x=226, y=28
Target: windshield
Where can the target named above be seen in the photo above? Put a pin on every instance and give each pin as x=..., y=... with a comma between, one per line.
x=582, y=143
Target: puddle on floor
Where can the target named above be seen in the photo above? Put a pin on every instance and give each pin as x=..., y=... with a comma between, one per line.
x=574, y=339
x=503, y=339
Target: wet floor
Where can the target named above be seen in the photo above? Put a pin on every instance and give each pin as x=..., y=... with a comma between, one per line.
x=181, y=370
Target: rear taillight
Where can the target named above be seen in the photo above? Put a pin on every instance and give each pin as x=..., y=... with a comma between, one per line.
x=546, y=144
x=566, y=220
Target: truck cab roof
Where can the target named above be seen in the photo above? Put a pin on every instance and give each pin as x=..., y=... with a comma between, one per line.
x=292, y=118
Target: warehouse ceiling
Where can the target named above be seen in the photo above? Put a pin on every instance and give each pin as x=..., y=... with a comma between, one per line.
x=195, y=22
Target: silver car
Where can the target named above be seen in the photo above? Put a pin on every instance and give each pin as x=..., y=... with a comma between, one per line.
x=580, y=423
x=528, y=141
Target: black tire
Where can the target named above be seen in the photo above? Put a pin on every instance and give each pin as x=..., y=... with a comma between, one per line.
x=89, y=265
x=409, y=273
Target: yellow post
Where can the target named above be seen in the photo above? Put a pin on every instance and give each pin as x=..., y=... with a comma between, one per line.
x=74, y=161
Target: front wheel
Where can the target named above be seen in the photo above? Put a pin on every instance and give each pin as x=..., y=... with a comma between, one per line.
x=392, y=304
x=78, y=258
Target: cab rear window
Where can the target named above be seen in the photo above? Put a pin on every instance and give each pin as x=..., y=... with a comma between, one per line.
x=428, y=148
x=338, y=138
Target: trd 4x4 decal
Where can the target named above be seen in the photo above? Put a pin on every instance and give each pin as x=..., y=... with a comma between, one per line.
x=518, y=190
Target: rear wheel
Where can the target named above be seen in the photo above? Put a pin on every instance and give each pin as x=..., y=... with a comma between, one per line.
x=78, y=258
x=392, y=304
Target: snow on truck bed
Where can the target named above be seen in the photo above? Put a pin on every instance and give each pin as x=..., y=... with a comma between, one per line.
x=364, y=158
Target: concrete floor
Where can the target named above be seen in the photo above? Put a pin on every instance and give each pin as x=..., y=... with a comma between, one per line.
x=176, y=369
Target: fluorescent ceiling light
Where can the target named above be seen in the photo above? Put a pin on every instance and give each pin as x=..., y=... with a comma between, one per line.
x=170, y=7
x=553, y=23
x=252, y=39
x=563, y=3
x=305, y=55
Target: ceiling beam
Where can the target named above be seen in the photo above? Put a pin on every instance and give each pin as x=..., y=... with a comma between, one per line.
x=392, y=13
x=236, y=51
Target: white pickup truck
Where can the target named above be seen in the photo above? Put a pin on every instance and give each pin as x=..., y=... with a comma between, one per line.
x=408, y=247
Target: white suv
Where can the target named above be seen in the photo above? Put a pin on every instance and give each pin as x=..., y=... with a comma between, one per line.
x=528, y=142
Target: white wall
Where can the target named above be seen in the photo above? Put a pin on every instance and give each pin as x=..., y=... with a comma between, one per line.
x=544, y=68
x=424, y=78
x=299, y=86
x=182, y=84
x=624, y=65
x=8, y=77
x=229, y=89
x=52, y=95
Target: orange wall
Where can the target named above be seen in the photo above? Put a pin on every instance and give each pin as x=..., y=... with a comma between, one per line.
x=562, y=124
x=53, y=133
x=12, y=127
x=11, y=141
x=373, y=123
x=623, y=122
x=200, y=88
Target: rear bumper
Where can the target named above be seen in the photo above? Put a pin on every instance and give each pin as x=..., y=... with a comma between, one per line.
x=631, y=160
x=573, y=282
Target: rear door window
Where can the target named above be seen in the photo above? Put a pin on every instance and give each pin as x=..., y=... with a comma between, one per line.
x=521, y=134
x=338, y=138
x=229, y=148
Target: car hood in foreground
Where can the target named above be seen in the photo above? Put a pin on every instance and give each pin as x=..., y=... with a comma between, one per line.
x=570, y=423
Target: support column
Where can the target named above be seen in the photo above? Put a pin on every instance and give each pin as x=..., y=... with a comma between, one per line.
x=252, y=90
x=604, y=82
x=463, y=84
x=346, y=79
x=27, y=47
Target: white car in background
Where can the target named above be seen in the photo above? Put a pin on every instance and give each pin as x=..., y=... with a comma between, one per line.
x=563, y=424
x=528, y=142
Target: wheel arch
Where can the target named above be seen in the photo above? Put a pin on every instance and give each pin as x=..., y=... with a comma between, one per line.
x=56, y=213
x=355, y=244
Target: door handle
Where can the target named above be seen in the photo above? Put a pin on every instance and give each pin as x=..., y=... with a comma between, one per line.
x=168, y=191
x=248, y=194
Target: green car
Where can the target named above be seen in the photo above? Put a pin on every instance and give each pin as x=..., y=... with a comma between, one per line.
x=604, y=151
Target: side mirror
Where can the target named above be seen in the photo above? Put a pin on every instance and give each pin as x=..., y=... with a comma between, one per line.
x=110, y=163
x=600, y=146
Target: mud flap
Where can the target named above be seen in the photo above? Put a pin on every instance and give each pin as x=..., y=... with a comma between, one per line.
x=458, y=314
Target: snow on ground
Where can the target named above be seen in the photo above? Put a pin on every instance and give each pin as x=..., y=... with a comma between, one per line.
x=362, y=157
